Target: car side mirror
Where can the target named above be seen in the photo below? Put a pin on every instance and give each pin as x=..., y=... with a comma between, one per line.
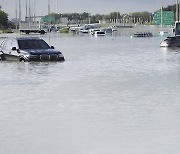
x=52, y=47
x=14, y=48
x=18, y=51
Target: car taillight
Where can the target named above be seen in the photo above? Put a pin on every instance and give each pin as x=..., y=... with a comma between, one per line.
x=168, y=42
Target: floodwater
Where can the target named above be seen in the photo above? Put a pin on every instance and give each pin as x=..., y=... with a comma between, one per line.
x=112, y=95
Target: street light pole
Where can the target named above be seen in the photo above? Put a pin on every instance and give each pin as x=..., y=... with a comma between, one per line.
x=16, y=16
x=177, y=6
x=48, y=7
x=179, y=11
x=161, y=14
x=19, y=10
x=56, y=6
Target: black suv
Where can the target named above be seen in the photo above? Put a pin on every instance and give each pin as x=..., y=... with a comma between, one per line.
x=28, y=49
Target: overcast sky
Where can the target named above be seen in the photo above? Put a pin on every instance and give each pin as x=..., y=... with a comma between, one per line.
x=80, y=6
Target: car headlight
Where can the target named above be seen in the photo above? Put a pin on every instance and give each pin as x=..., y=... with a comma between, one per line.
x=60, y=55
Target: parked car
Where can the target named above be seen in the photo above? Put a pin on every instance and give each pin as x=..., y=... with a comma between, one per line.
x=173, y=41
x=28, y=49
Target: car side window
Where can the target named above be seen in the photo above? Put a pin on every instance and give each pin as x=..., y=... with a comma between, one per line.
x=2, y=44
x=8, y=44
x=14, y=44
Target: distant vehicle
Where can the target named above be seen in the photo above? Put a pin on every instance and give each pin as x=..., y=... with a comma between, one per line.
x=54, y=28
x=84, y=31
x=33, y=27
x=163, y=33
x=92, y=26
x=28, y=49
x=99, y=33
x=177, y=28
x=93, y=31
x=173, y=41
x=85, y=28
x=143, y=34
x=109, y=30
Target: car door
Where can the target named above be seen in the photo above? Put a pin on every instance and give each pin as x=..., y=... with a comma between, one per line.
x=5, y=47
x=1, y=51
x=8, y=52
x=14, y=45
x=178, y=41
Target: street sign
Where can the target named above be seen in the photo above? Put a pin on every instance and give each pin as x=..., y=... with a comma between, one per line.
x=48, y=19
x=167, y=18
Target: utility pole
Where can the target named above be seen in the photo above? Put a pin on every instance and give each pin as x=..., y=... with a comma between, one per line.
x=29, y=10
x=179, y=11
x=29, y=13
x=161, y=14
x=19, y=10
x=177, y=6
x=16, y=16
x=49, y=22
x=34, y=11
x=26, y=11
x=48, y=7
x=56, y=6
x=89, y=17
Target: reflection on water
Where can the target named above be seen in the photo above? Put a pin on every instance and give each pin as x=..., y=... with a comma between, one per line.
x=112, y=95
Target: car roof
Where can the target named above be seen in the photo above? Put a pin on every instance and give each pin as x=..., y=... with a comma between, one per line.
x=23, y=38
x=173, y=36
x=28, y=38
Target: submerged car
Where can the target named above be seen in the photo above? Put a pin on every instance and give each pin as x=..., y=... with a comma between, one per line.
x=143, y=34
x=28, y=49
x=173, y=41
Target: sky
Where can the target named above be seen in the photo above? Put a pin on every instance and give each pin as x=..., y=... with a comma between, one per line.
x=80, y=6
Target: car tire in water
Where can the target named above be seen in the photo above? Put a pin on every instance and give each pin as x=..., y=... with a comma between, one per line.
x=2, y=57
x=42, y=32
x=21, y=59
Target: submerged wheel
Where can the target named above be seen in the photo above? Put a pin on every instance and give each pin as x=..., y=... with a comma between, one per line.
x=2, y=57
x=22, y=60
x=42, y=32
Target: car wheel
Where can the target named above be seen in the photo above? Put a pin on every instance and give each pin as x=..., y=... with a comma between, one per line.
x=2, y=57
x=22, y=59
x=42, y=32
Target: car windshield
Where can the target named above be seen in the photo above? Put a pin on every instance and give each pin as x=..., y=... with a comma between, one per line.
x=170, y=39
x=33, y=44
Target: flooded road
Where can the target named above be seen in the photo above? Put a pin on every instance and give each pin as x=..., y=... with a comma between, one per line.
x=112, y=95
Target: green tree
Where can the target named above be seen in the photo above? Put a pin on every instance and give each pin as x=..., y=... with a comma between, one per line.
x=143, y=16
x=171, y=8
x=3, y=19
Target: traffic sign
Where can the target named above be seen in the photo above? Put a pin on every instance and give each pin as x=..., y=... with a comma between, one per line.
x=48, y=19
x=167, y=18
